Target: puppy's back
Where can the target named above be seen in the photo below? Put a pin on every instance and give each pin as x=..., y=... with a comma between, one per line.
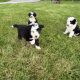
x=18, y=26
x=22, y=28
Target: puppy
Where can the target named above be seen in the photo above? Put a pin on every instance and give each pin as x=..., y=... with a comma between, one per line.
x=72, y=27
x=30, y=33
x=32, y=18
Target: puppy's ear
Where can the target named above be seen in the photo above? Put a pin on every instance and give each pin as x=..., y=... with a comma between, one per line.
x=73, y=22
x=29, y=14
x=35, y=14
x=41, y=26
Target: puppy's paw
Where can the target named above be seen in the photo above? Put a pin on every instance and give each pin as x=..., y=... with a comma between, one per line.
x=32, y=42
x=70, y=36
x=38, y=47
x=12, y=26
x=64, y=32
x=75, y=35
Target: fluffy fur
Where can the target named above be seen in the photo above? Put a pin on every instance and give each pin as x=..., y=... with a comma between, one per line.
x=30, y=33
x=32, y=18
x=72, y=27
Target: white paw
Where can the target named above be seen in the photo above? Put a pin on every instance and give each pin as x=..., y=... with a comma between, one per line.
x=70, y=36
x=64, y=32
x=38, y=47
x=75, y=35
x=12, y=26
x=32, y=42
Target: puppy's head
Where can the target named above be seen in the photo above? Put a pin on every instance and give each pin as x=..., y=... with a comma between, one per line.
x=35, y=30
x=32, y=14
x=71, y=21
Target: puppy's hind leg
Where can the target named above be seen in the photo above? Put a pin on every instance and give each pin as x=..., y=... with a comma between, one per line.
x=19, y=37
x=71, y=34
x=37, y=44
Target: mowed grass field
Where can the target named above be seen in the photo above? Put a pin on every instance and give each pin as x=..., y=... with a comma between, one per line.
x=4, y=0
x=59, y=58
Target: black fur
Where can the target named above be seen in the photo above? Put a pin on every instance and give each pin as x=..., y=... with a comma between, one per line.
x=77, y=30
x=40, y=28
x=73, y=22
x=23, y=31
x=37, y=42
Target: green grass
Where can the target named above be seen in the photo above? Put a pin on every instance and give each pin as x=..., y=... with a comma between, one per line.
x=3, y=0
x=59, y=58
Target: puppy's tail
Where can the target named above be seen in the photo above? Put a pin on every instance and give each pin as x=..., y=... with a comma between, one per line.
x=14, y=26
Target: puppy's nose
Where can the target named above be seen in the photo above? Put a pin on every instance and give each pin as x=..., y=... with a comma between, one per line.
x=31, y=15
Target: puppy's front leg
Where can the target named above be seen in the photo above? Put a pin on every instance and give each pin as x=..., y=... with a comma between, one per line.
x=37, y=44
x=71, y=34
x=66, y=31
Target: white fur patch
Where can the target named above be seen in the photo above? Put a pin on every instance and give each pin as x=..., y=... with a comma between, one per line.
x=35, y=26
x=32, y=42
x=34, y=33
x=71, y=34
x=38, y=47
x=31, y=13
x=32, y=20
x=12, y=26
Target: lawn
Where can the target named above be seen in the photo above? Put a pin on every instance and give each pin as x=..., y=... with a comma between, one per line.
x=59, y=58
x=3, y=0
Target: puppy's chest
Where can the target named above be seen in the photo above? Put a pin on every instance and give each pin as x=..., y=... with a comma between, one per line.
x=71, y=27
x=32, y=19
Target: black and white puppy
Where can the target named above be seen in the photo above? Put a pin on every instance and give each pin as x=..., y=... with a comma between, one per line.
x=30, y=33
x=72, y=27
x=32, y=18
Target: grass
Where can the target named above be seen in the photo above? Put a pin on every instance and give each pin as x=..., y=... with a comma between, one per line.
x=4, y=0
x=59, y=58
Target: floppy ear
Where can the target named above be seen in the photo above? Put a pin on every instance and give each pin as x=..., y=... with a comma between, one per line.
x=29, y=14
x=41, y=26
x=73, y=22
x=35, y=14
